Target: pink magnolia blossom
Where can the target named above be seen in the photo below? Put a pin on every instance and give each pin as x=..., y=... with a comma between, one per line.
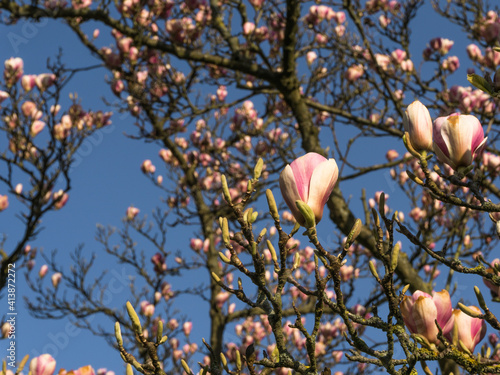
x=187, y=327
x=148, y=167
x=43, y=365
x=45, y=80
x=452, y=63
x=43, y=271
x=147, y=309
x=13, y=70
x=159, y=262
x=6, y=329
x=311, y=56
x=474, y=52
x=132, y=212
x=418, y=123
x=354, y=72
x=56, y=279
x=248, y=28
x=4, y=202
x=469, y=330
x=37, y=127
x=85, y=370
x=421, y=310
x=28, y=82
x=310, y=179
x=60, y=198
x=458, y=139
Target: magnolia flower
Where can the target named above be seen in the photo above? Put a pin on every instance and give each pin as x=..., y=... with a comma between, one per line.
x=56, y=279
x=421, y=310
x=464, y=328
x=458, y=139
x=132, y=212
x=310, y=179
x=418, y=123
x=43, y=365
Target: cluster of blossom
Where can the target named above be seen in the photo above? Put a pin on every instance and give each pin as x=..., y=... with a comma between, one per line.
x=468, y=100
x=398, y=59
x=421, y=311
x=456, y=139
x=45, y=364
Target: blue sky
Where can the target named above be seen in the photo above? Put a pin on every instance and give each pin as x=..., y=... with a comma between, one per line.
x=105, y=182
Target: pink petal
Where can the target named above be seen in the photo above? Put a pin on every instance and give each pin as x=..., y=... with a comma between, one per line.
x=323, y=180
x=303, y=169
x=443, y=305
x=289, y=191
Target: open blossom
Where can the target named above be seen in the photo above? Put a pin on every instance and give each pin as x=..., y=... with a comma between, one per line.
x=43, y=365
x=421, y=310
x=310, y=179
x=468, y=330
x=458, y=139
x=418, y=123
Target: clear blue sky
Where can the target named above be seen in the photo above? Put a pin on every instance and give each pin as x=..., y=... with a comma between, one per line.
x=106, y=181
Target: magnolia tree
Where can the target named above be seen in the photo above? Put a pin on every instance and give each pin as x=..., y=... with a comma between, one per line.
x=237, y=98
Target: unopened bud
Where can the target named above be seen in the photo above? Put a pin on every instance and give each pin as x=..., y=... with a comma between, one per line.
x=373, y=270
x=381, y=204
x=223, y=360
x=469, y=311
x=395, y=256
x=307, y=213
x=225, y=190
x=136, y=323
x=215, y=277
x=273, y=209
x=415, y=178
x=257, y=171
x=355, y=231
x=159, y=331
x=224, y=258
x=129, y=370
x=296, y=261
x=225, y=231
x=118, y=334
x=272, y=251
x=185, y=367
x=238, y=361
x=480, y=298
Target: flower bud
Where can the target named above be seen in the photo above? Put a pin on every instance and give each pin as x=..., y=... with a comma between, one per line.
x=309, y=179
x=421, y=310
x=43, y=365
x=417, y=122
